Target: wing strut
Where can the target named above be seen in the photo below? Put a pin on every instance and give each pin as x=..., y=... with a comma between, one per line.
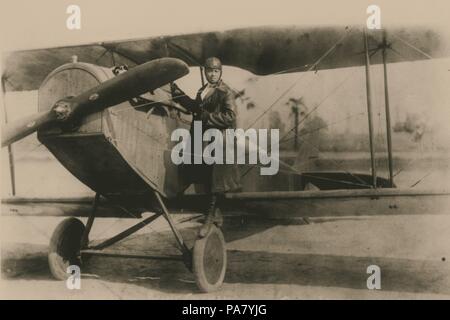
x=12, y=170
x=387, y=112
x=369, y=110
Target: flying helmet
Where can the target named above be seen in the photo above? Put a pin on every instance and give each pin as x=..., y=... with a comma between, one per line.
x=213, y=63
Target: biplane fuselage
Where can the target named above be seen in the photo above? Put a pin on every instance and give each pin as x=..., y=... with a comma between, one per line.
x=117, y=151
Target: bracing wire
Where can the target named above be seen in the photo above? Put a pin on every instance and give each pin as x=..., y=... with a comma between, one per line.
x=312, y=67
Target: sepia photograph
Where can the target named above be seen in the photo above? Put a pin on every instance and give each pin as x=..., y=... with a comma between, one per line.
x=239, y=150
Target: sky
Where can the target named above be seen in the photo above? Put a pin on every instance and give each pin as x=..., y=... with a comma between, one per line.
x=41, y=24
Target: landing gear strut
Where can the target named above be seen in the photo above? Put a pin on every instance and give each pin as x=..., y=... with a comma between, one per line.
x=207, y=259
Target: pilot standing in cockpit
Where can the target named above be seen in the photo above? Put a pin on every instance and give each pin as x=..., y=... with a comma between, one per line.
x=215, y=107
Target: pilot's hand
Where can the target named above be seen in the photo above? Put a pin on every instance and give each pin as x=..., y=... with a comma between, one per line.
x=175, y=90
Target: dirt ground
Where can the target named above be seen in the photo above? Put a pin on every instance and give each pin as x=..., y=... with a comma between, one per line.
x=324, y=258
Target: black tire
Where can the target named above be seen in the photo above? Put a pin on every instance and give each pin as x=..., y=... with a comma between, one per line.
x=209, y=260
x=64, y=248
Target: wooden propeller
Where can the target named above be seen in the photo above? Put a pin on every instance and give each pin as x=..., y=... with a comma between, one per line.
x=138, y=80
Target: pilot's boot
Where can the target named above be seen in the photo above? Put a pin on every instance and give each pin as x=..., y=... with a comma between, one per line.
x=213, y=216
x=218, y=219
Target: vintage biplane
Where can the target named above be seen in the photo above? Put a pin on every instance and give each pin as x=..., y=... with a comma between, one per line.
x=112, y=132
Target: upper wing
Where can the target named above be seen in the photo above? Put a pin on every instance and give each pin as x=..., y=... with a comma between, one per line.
x=25, y=70
x=261, y=50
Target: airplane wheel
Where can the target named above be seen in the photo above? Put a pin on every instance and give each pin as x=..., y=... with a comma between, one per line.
x=65, y=245
x=209, y=260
